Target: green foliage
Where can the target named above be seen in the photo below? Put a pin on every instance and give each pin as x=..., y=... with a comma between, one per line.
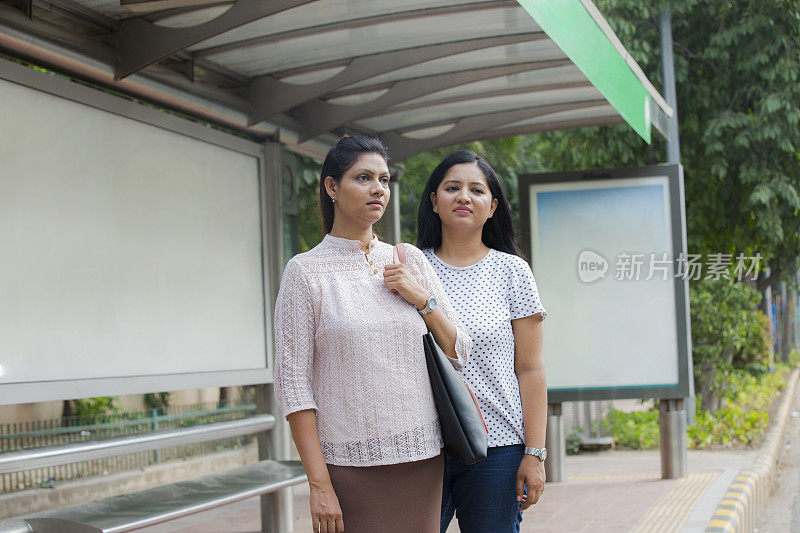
x=157, y=400
x=740, y=421
x=737, y=73
x=743, y=417
x=635, y=430
x=309, y=226
x=102, y=405
x=729, y=334
x=573, y=442
x=738, y=94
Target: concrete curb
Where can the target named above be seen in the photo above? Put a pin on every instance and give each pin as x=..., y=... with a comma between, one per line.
x=739, y=509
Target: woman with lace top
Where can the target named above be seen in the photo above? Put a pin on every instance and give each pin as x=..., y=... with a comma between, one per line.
x=350, y=373
x=466, y=231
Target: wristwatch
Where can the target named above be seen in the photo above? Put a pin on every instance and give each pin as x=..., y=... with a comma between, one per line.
x=429, y=306
x=536, y=452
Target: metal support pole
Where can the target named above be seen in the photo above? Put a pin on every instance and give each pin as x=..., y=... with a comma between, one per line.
x=277, y=509
x=768, y=312
x=785, y=323
x=394, y=234
x=672, y=423
x=587, y=420
x=673, y=139
x=796, y=315
x=556, y=464
x=668, y=73
x=392, y=215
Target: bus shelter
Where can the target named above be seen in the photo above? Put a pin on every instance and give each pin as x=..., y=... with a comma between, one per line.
x=136, y=129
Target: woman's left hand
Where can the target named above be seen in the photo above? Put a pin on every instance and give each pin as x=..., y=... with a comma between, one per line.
x=530, y=475
x=397, y=278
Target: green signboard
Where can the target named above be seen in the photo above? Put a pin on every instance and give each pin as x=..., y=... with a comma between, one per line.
x=573, y=28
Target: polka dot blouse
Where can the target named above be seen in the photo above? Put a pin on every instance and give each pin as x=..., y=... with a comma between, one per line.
x=488, y=296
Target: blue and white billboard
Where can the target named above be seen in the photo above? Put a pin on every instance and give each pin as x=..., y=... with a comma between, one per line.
x=605, y=249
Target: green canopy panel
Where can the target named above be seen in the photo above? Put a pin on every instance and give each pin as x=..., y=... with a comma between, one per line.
x=420, y=74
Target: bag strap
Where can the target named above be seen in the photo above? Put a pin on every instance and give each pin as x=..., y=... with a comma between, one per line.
x=400, y=253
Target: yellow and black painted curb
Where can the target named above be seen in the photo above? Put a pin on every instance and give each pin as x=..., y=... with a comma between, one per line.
x=740, y=507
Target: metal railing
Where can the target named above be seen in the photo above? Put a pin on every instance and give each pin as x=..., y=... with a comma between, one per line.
x=87, y=451
x=74, y=430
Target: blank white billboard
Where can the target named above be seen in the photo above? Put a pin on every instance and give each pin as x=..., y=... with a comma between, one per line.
x=127, y=250
x=603, y=254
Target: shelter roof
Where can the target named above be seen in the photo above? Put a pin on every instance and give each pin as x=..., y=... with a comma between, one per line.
x=418, y=73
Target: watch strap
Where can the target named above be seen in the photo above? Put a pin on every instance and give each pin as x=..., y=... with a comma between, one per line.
x=540, y=453
x=427, y=309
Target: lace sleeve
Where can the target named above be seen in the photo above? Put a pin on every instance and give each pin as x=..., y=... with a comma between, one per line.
x=431, y=282
x=294, y=342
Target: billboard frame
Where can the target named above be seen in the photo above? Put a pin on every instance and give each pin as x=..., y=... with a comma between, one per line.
x=674, y=174
x=56, y=390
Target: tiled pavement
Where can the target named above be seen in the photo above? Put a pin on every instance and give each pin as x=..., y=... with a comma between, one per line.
x=614, y=491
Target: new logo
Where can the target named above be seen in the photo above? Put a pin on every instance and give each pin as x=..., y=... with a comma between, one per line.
x=591, y=266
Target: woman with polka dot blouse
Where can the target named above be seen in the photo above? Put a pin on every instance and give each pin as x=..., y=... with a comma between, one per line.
x=466, y=231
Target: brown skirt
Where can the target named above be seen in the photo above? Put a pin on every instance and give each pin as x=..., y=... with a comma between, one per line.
x=390, y=498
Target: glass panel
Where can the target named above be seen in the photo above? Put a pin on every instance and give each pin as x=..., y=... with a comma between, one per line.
x=109, y=8
x=436, y=113
x=600, y=111
x=542, y=50
x=535, y=78
x=322, y=12
x=344, y=44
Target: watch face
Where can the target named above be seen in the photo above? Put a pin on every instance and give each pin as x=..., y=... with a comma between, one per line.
x=432, y=303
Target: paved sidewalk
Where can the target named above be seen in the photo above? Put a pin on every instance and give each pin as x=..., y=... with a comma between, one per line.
x=614, y=491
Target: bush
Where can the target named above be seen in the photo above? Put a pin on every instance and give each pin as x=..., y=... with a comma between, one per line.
x=636, y=430
x=103, y=405
x=742, y=418
x=574, y=441
x=729, y=334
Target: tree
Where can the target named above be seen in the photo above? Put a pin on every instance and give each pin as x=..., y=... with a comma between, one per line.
x=737, y=66
x=736, y=70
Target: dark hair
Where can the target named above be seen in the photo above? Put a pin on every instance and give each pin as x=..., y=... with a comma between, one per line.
x=498, y=231
x=339, y=160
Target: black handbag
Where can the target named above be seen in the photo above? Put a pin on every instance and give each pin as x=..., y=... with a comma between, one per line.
x=464, y=430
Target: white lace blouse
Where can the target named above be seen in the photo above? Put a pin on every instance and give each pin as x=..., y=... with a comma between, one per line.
x=352, y=350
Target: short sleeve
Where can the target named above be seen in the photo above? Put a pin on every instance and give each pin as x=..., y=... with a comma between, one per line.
x=294, y=342
x=434, y=285
x=524, y=294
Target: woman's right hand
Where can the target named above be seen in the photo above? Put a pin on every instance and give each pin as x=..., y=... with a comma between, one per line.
x=326, y=514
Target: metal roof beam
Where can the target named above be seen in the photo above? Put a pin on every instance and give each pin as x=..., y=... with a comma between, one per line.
x=355, y=23
x=402, y=146
x=509, y=91
x=147, y=6
x=611, y=119
x=270, y=96
x=26, y=6
x=141, y=43
x=319, y=116
x=155, y=16
x=78, y=12
x=523, y=130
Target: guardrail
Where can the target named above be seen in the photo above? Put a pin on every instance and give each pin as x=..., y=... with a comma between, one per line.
x=83, y=451
x=137, y=419
x=132, y=511
x=37, y=434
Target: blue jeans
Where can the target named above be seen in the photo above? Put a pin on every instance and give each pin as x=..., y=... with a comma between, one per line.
x=483, y=496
